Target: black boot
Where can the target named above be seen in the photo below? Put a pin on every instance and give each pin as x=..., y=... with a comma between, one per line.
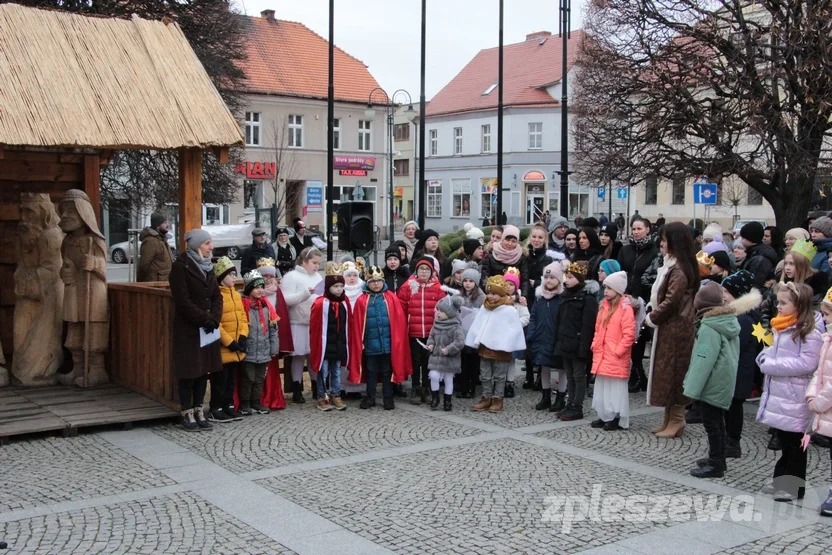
x=434, y=400
x=538, y=385
x=367, y=402
x=694, y=414
x=732, y=448
x=297, y=393
x=545, y=401
x=416, y=395
x=389, y=404
x=638, y=379
x=713, y=469
x=529, y=383
x=448, y=406
x=425, y=394
x=560, y=402
x=314, y=389
x=398, y=390
x=509, y=391
x=774, y=443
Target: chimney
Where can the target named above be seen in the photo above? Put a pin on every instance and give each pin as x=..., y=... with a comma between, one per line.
x=539, y=36
x=267, y=15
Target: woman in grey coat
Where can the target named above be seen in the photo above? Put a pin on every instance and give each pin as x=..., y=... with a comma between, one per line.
x=445, y=343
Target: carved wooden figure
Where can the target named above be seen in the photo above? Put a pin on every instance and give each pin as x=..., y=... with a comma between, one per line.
x=84, y=271
x=39, y=292
x=4, y=374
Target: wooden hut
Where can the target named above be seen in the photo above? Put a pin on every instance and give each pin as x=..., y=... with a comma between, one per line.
x=74, y=89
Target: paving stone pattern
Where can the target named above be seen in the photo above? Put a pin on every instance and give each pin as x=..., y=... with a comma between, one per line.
x=172, y=524
x=481, y=498
x=50, y=470
x=809, y=540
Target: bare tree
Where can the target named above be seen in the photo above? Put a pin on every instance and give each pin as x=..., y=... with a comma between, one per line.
x=285, y=192
x=734, y=193
x=713, y=87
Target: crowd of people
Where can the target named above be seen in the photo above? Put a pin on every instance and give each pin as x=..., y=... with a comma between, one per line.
x=726, y=321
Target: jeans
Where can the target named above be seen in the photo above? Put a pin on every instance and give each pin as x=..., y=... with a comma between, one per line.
x=379, y=365
x=419, y=357
x=332, y=370
x=251, y=382
x=713, y=419
x=222, y=386
x=734, y=419
x=791, y=465
x=493, y=374
x=192, y=392
x=575, y=380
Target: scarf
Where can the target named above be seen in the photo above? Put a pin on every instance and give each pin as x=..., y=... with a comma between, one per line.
x=661, y=275
x=258, y=305
x=507, y=256
x=780, y=323
x=491, y=306
x=410, y=246
x=641, y=244
x=547, y=293
x=203, y=263
x=446, y=324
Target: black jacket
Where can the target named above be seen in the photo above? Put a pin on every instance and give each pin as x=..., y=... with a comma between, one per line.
x=395, y=278
x=285, y=260
x=760, y=260
x=300, y=245
x=575, y=323
x=336, y=333
x=493, y=267
x=537, y=260
x=635, y=260
x=253, y=254
x=749, y=349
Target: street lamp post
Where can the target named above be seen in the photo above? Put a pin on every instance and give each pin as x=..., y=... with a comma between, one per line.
x=422, y=191
x=330, y=145
x=563, y=26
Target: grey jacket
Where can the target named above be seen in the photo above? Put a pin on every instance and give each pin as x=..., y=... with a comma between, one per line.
x=451, y=339
x=261, y=346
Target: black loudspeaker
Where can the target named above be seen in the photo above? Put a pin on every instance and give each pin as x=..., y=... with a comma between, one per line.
x=355, y=226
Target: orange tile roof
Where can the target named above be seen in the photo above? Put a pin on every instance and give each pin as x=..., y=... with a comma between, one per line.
x=289, y=59
x=529, y=67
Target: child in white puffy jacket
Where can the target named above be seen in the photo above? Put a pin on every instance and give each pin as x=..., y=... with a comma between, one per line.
x=512, y=276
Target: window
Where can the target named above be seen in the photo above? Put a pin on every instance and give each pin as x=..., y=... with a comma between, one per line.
x=365, y=135
x=295, y=131
x=578, y=203
x=252, y=194
x=536, y=135
x=488, y=197
x=252, y=128
x=434, y=198
x=434, y=142
x=370, y=195
x=754, y=197
x=651, y=190
x=457, y=140
x=336, y=134
x=461, y=199
x=489, y=89
x=401, y=167
x=401, y=132
x=486, y=139
x=678, y=190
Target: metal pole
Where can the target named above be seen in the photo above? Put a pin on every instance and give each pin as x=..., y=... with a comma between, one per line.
x=609, y=201
x=330, y=147
x=564, y=124
x=422, y=187
x=390, y=145
x=500, y=123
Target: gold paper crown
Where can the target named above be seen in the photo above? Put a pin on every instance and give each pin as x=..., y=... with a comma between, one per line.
x=704, y=259
x=496, y=282
x=827, y=300
x=334, y=269
x=349, y=266
x=805, y=248
x=579, y=268
x=513, y=271
x=373, y=273
x=267, y=262
x=360, y=264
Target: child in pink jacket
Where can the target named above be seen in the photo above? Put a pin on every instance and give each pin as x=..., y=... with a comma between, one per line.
x=819, y=392
x=615, y=334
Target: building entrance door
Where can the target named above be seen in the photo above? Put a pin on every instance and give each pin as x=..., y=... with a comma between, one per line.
x=535, y=202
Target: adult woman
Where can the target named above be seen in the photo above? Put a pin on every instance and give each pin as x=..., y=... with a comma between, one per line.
x=537, y=259
x=298, y=287
x=505, y=254
x=609, y=241
x=672, y=316
x=285, y=251
x=429, y=244
x=410, y=240
x=570, y=244
x=197, y=305
x=774, y=239
x=739, y=251
x=590, y=250
x=495, y=237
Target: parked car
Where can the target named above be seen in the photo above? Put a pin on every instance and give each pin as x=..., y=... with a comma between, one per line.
x=120, y=252
x=738, y=226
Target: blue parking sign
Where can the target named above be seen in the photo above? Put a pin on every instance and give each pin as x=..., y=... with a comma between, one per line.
x=602, y=193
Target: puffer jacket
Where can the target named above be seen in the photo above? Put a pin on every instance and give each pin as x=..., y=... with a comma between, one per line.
x=575, y=323
x=821, y=260
x=295, y=287
x=613, y=341
x=394, y=279
x=635, y=259
x=788, y=366
x=261, y=345
x=377, y=325
x=748, y=313
x=542, y=333
x=712, y=373
x=419, y=303
x=818, y=281
x=537, y=260
x=451, y=338
x=819, y=392
x=233, y=325
x=336, y=332
x=155, y=256
x=760, y=260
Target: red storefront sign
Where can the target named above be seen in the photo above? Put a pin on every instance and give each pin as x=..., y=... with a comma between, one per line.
x=257, y=170
x=354, y=163
x=354, y=173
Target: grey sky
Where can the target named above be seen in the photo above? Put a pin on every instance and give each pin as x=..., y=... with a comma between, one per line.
x=384, y=34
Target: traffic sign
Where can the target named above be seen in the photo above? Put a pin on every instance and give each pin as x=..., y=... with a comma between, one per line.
x=602, y=193
x=622, y=192
x=704, y=193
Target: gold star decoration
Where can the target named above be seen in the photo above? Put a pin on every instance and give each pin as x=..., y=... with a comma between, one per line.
x=762, y=335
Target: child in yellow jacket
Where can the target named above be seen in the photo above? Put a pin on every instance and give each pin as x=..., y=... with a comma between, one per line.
x=233, y=337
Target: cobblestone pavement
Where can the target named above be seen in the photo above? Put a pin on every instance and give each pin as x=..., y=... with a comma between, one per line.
x=809, y=540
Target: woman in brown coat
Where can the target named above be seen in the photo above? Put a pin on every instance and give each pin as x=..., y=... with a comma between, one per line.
x=672, y=315
x=197, y=308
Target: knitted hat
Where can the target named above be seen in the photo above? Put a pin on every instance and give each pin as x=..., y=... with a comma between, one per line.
x=334, y=274
x=349, y=268
x=554, y=269
x=617, y=281
x=426, y=234
x=253, y=279
x=511, y=231
x=556, y=222
x=496, y=285
x=610, y=266
x=470, y=245
x=473, y=232
x=472, y=273
x=450, y=305
x=579, y=270
x=458, y=265
x=512, y=274
x=610, y=229
x=753, y=231
x=827, y=300
x=257, y=231
x=373, y=273
x=798, y=233
x=195, y=237
x=590, y=222
x=392, y=252
x=715, y=246
x=708, y=296
x=156, y=220
x=426, y=261
x=223, y=267
x=738, y=245
x=298, y=225
x=822, y=224
x=804, y=248
x=721, y=259
x=739, y=284
x=712, y=232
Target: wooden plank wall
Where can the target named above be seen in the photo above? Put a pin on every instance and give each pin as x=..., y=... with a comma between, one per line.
x=33, y=172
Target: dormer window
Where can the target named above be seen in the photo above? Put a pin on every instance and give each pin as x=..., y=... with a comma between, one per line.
x=489, y=89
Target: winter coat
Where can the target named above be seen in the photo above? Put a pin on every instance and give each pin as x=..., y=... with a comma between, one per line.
x=377, y=325
x=673, y=316
x=635, y=260
x=537, y=260
x=613, y=341
x=788, y=366
x=819, y=392
x=818, y=281
x=262, y=345
x=493, y=267
x=522, y=311
x=300, y=243
x=394, y=279
x=575, y=323
x=748, y=313
x=821, y=260
x=445, y=265
x=473, y=303
x=542, y=333
x=419, y=302
x=285, y=257
x=336, y=332
x=233, y=325
x=760, y=260
x=197, y=303
x=155, y=256
x=295, y=287
x=712, y=374
x=254, y=253
x=452, y=339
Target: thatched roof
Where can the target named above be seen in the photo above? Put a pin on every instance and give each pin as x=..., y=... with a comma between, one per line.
x=75, y=81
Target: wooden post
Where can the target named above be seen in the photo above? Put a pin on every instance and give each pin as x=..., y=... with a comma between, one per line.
x=190, y=192
x=92, y=184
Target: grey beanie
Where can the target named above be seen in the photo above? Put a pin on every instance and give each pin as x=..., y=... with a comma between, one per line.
x=556, y=222
x=457, y=265
x=195, y=237
x=473, y=274
x=450, y=305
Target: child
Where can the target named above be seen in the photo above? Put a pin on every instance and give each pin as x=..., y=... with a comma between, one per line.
x=607, y=268
x=261, y=345
x=233, y=334
x=496, y=333
x=615, y=334
x=473, y=298
x=273, y=387
x=379, y=340
x=512, y=276
x=419, y=296
x=542, y=333
x=575, y=326
x=395, y=274
x=712, y=374
x=788, y=364
x=353, y=289
x=445, y=343
x=329, y=338
x=819, y=392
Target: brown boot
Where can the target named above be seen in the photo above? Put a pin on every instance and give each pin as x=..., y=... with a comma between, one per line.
x=676, y=424
x=664, y=422
x=484, y=403
x=496, y=405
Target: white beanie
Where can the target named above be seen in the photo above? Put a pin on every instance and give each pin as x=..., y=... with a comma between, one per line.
x=713, y=232
x=473, y=232
x=617, y=282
